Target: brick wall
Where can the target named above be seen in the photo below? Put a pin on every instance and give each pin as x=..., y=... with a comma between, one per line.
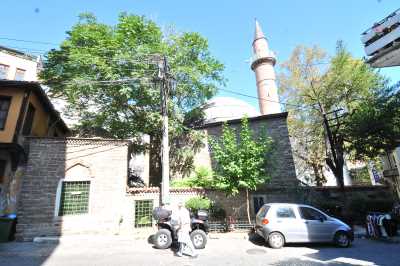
x=103, y=162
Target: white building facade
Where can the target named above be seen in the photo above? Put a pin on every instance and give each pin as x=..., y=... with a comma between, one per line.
x=16, y=65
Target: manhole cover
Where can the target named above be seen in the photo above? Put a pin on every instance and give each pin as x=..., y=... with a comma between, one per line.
x=255, y=251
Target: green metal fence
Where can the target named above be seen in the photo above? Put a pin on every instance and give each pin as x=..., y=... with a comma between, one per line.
x=143, y=213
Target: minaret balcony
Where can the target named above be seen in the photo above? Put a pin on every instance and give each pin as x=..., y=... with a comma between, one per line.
x=267, y=56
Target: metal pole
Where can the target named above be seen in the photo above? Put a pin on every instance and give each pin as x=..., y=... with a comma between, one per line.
x=165, y=142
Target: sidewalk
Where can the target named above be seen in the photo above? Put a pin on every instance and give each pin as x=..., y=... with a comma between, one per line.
x=145, y=234
x=360, y=232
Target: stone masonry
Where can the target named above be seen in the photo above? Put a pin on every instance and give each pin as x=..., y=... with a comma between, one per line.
x=51, y=160
x=282, y=172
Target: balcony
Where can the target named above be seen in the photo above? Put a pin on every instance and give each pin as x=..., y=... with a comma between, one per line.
x=262, y=57
x=382, y=41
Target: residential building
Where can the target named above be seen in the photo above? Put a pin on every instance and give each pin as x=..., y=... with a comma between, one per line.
x=25, y=111
x=382, y=46
x=17, y=65
x=381, y=41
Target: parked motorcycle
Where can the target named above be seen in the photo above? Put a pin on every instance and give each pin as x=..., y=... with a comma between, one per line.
x=167, y=232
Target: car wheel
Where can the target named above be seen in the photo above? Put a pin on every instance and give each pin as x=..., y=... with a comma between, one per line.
x=162, y=239
x=199, y=238
x=276, y=240
x=342, y=239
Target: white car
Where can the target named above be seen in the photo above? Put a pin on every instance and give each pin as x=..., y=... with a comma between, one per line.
x=280, y=223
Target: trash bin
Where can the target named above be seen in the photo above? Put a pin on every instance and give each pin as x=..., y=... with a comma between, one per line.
x=6, y=226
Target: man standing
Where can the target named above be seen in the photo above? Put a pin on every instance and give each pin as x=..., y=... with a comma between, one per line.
x=184, y=228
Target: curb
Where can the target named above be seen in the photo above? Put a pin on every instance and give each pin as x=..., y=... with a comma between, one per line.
x=69, y=239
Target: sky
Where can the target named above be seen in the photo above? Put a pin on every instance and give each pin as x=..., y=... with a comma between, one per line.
x=227, y=24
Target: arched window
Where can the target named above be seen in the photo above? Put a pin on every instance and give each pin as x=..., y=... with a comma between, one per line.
x=73, y=191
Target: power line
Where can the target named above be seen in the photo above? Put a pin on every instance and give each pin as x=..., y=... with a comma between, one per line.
x=151, y=82
x=145, y=56
x=102, y=82
x=27, y=50
x=263, y=99
x=120, y=62
x=121, y=50
x=27, y=41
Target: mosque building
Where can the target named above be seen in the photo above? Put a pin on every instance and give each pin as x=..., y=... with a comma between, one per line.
x=269, y=116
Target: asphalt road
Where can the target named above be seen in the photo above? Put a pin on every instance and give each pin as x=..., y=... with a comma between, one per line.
x=220, y=250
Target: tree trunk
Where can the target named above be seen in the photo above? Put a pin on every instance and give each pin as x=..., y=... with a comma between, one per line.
x=317, y=175
x=248, y=205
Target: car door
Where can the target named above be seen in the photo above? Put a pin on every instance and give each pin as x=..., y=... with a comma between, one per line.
x=288, y=223
x=318, y=227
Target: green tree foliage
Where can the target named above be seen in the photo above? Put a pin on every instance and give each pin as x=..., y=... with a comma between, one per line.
x=106, y=74
x=198, y=203
x=374, y=127
x=318, y=85
x=201, y=178
x=300, y=78
x=241, y=160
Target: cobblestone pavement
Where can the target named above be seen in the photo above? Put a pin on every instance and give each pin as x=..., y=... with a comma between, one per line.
x=228, y=249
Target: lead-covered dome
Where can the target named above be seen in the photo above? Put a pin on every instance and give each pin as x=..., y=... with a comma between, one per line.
x=226, y=108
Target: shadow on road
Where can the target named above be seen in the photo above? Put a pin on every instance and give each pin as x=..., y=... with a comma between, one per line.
x=256, y=239
x=361, y=252
x=174, y=246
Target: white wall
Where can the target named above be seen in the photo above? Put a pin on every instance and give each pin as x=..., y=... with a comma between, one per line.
x=15, y=61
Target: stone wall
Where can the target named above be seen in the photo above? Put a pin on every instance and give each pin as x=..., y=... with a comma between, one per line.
x=283, y=170
x=112, y=206
x=53, y=160
x=235, y=206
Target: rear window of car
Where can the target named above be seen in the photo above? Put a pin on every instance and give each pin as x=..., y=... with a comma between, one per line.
x=285, y=212
x=263, y=211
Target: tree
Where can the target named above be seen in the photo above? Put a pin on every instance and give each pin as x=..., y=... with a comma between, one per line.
x=374, y=127
x=241, y=161
x=300, y=75
x=107, y=76
x=321, y=87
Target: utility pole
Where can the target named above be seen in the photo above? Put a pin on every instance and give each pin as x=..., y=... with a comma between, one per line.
x=336, y=160
x=164, y=92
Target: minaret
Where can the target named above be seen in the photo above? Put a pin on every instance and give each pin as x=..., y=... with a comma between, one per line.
x=263, y=65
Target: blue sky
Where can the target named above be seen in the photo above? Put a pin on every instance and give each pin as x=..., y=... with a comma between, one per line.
x=228, y=25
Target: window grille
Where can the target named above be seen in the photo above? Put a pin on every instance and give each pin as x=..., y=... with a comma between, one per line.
x=143, y=213
x=74, y=197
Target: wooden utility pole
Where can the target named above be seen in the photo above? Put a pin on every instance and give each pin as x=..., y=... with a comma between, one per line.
x=164, y=91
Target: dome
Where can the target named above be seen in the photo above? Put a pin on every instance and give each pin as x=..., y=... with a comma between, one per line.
x=227, y=108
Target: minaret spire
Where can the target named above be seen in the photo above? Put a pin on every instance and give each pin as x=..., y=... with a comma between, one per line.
x=258, y=33
x=263, y=65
